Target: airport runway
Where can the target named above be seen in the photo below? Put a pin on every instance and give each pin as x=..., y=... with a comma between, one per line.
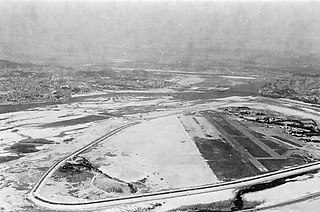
x=35, y=196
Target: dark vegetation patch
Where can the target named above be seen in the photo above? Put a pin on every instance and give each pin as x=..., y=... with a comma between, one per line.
x=224, y=161
x=75, y=170
x=28, y=145
x=23, y=148
x=219, y=206
x=239, y=202
x=287, y=141
x=70, y=122
x=4, y=159
x=39, y=141
x=73, y=177
x=251, y=147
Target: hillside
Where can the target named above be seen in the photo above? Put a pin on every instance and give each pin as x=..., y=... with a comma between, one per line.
x=304, y=87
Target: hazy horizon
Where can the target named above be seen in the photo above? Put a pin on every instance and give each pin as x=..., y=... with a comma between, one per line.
x=93, y=32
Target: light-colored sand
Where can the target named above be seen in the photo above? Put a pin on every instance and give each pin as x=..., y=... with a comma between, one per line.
x=187, y=79
x=159, y=150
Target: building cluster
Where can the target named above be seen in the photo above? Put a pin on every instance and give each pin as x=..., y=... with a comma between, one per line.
x=26, y=90
x=42, y=85
x=305, y=129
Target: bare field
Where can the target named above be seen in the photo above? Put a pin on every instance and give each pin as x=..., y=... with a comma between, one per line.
x=153, y=156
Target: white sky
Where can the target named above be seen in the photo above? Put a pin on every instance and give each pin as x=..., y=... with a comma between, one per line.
x=46, y=30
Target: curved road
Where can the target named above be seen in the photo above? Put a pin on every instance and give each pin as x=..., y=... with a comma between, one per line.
x=35, y=196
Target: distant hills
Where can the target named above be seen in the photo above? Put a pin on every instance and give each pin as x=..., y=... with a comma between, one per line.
x=12, y=65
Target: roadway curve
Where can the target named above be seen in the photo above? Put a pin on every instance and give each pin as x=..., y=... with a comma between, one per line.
x=35, y=196
x=34, y=193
